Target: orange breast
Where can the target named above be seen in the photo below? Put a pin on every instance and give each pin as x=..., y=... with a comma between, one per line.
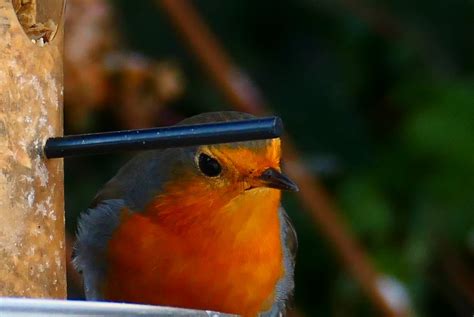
x=230, y=262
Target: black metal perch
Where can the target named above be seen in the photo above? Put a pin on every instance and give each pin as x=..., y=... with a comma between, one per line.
x=164, y=137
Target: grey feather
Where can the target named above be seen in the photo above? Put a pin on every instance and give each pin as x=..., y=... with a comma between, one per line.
x=96, y=227
x=138, y=180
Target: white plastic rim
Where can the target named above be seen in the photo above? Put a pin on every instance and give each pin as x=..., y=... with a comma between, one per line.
x=27, y=307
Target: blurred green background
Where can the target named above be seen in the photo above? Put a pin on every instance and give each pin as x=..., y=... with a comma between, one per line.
x=379, y=98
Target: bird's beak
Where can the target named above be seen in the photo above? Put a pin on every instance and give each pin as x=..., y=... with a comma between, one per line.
x=275, y=179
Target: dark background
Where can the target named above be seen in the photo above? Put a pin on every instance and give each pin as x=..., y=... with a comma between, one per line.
x=377, y=95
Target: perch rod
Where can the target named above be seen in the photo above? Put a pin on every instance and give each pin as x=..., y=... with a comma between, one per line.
x=164, y=137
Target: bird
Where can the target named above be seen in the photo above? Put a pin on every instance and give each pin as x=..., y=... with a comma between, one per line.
x=198, y=227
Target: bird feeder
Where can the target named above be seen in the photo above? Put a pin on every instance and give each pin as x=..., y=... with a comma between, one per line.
x=32, y=238
x=32, y=245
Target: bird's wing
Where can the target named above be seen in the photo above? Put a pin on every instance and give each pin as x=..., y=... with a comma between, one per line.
x=284, y=288
x=95, y=229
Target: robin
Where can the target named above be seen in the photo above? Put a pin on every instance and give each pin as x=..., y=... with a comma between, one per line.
x=195, y=227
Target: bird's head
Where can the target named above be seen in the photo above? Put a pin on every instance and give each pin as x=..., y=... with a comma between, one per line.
x=204, y=179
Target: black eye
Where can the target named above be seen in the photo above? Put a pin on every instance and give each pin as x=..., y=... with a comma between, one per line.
x=209, y=166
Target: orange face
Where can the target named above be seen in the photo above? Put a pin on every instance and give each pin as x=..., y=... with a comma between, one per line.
x=241, y=167
x=217, y=175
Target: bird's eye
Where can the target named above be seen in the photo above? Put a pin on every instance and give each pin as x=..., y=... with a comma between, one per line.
x=209, y=166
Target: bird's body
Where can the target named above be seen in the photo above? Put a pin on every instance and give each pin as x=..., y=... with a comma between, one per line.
x=193, y=227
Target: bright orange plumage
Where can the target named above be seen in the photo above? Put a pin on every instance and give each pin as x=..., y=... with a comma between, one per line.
x=204, y=242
